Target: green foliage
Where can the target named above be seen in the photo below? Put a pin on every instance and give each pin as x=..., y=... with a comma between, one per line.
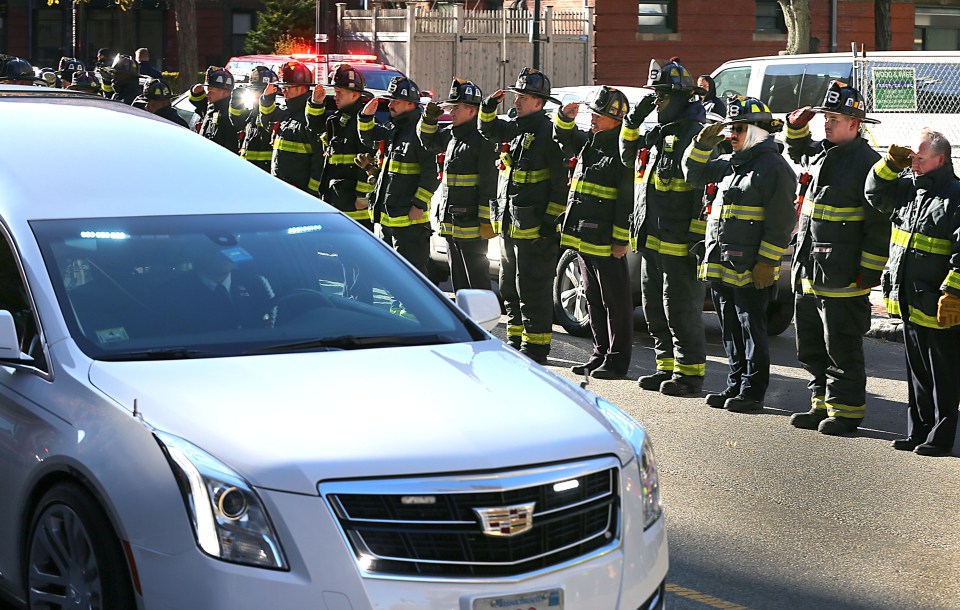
x=281, y=21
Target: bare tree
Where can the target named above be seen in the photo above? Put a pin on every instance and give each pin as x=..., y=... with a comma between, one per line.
x=796, y=13
x=883, y=34
x=187, y=64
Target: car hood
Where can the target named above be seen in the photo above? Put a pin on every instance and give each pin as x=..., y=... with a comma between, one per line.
x=288, y=421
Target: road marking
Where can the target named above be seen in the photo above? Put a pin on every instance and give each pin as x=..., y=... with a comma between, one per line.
x=703, y=598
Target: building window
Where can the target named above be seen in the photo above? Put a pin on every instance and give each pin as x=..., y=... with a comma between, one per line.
x=48, y=45
x=242, y=24
x=770, y=17
x=658, y=16
x=936, y=28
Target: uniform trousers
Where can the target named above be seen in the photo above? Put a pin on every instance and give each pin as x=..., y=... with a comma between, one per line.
x=743, y=324
x=606, y=282
x=527, y=268
x=469, y=267
x=411, y=242
x=672, y=299
x=933, y=368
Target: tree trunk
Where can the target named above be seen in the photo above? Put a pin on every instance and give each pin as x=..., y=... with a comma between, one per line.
x=883, y=36
x=186, y=18
x=796, y=13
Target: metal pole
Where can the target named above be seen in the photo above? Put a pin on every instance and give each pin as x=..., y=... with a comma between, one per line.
x=535, y=34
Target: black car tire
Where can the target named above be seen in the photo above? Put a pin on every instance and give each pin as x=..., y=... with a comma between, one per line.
x=779, y=316
x=569, y=298
x=70, y=536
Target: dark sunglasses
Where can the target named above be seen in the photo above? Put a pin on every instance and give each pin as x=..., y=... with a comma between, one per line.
x=739, y=128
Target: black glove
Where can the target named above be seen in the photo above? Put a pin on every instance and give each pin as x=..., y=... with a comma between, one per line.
x=643, y=108
x=105, y=77
x=490, y=103
x=432, y=112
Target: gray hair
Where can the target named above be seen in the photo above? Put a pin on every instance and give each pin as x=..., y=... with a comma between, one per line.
x=142, y=54
x=938, y=142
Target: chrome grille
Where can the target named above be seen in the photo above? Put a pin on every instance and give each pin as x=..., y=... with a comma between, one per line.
x=428, y=527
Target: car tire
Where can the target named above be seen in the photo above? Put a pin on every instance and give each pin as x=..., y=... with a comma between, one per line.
x=71, y=536
x=779, y=316
x=569, y=297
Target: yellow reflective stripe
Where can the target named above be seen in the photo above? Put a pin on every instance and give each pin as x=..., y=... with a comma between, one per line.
x=665, y=364
x=537, y=338
x=771, y=251
x=872, y=261
x=301, y=148
x=592, y=188
x=518, y=233
x=268, y=109
x=629, y=134
x=915, y=316
x=563, y=122
x=399, y=167
x=583, y=246
x=496, y=225
x=364, y=187
x=819, y=211
x=621, y=234
x=665, y=247
x=423, y=195
x=313, y=185
x=344, y=159
x=488, y=115
x=236, y=111
x=364, y=123
x=363, y=214
x=457, y=232
x=952, y=280
x=892, y=306
x=257, y=155
x=315, y=110
x=514, y=330
x=193, y=98
x=403, y=221
x=461, y=179
x=836, y=409
x=427, y=127
x=555, y=209
x=849, y=291
x=918, y=241
x=108, y=88
x=699, y=155
x=676, y=185
x=796, y=134
x=691, y=370
x=743, y=212
x=817, y=402
x=698, y=226
x=484, y=212
x=883, y=171
x=533, y=177
x=721, y=273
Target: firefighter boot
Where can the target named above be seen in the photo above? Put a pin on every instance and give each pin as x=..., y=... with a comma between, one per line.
x=682, y=385
x=652, y=382
x=838, y=426
x=720, y=398
x=809, y=420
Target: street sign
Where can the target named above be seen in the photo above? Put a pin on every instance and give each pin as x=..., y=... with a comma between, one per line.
x=894, y=89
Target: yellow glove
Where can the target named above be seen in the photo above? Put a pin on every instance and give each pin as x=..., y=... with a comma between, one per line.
x=948, y=310
x=367, y=163
x=710, y=135
x=900, y=156
x=486, y=231
x=763, y=275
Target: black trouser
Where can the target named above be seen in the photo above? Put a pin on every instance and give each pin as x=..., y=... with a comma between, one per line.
x=527, y=268
x=469, y=267
x=606, y=281
x=933, y=366
x=673, y=308
x=743, y=323
x=830, y=347
x=412, y=243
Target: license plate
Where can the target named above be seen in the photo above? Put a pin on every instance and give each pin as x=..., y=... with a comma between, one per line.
x=551, y=599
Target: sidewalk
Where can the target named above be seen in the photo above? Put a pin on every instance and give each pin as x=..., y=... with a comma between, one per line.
x=882, y=326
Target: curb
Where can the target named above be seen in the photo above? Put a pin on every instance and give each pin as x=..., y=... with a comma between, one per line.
x=886, y=329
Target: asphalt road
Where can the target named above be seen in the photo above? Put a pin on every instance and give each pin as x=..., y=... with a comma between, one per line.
x=763, y=515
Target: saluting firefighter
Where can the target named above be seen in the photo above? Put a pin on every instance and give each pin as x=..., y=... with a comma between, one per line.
x=408, y=178
x=922, y=282
x=292, y=141
x=531, y=189
x=334, y=176
x=842, y=246
x=156, y=98
x=748, y=231
x=468, y=183
x=255, y=146
x=666, y=225
x=220, y=122
x=597, y=226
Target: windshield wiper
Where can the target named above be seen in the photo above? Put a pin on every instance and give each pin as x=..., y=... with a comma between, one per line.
x=163, y=353
x=354, y=342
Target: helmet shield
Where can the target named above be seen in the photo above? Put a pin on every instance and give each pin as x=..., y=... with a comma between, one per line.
x=218, y=78
x=608, y=102
x=402, y=88
x=261, y=76
x=345, y=76
x=672, y=77
x=750, y=110
x=841, y=98
x=531, y=81
x=464, y=92
x=295, y=73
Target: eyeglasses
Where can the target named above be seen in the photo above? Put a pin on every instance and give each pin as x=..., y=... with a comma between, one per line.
x=739, y=128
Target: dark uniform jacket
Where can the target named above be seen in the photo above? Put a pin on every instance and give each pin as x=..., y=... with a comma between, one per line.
x=334, y=176
x=408, y=176
x=125, y=91
x=292, y=142
x=220, y=121
x=601, y=190
x=924, y=242
x=255, y=144
x=840, y=235
x=469, y=182
x=666, y=210
x=170, y=113
x=753, y=214
x=532, y=185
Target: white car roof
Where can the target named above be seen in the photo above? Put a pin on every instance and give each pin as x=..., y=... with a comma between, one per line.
x=73, y=155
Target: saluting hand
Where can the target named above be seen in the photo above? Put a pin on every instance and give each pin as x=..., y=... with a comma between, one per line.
x=710, y=135
x=901, y=156
x=270, y=89
x=319, y=94
x=371, y=108
x=570, y=110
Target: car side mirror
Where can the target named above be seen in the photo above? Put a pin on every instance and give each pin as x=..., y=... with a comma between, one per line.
x=482, y=306
x=9, y=344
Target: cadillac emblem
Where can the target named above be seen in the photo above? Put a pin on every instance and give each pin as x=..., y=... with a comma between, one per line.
x=506, y=520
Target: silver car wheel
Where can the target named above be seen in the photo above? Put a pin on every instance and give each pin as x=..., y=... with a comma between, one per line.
x=63, y=569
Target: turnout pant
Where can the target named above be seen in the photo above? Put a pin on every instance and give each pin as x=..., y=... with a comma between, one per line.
x=469, y=267
x=830, y=347
x=412, y=243
x=527, y=268
x=672, y=299
x=743, y=323
x=606, y=282
x=933, y=366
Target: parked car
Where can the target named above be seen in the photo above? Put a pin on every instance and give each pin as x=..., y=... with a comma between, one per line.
x=250, y=401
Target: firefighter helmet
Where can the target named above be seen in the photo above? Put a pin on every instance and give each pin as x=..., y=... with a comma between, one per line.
x=672, y=77
x=841, y=98
x=609, y=102
x=261, y=76
x=295, y=73
x=531, y=81
x=750, y=110
x=464, y=92
x=156, y=89
x=67, y=66
x=50, y=78
x=84, y=81
x=124, y=64
x=218, y=78
x=18, y=69
x=402, y=88
x=345, y=76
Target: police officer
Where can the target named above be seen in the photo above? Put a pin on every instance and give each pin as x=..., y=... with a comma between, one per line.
x=597, y=226
x=256, y=146
x=86, y=82
x=530, y=193
x=220, y=121
x=408, y=178
x=922, y=282
x=292, y=141
x=666, y=224
x=156, y=99
x=334, y=175
x=842, y=245
x=18, y=71
x=124, y=81
x=748, y=231
x=468, y=184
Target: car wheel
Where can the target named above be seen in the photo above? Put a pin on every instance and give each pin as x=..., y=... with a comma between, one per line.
x=569, y=297
x=74, y=558
x=779, y=316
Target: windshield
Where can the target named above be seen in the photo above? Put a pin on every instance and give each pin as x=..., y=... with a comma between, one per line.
x=200, y=286
x=377, y=77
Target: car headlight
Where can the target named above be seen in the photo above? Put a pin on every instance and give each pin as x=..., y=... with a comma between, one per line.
x=228, y=519
x=633, y=433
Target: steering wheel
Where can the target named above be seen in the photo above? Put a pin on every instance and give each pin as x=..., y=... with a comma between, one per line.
x=299, y=293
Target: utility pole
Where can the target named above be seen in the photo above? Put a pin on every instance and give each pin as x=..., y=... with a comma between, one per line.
x=535, y=34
